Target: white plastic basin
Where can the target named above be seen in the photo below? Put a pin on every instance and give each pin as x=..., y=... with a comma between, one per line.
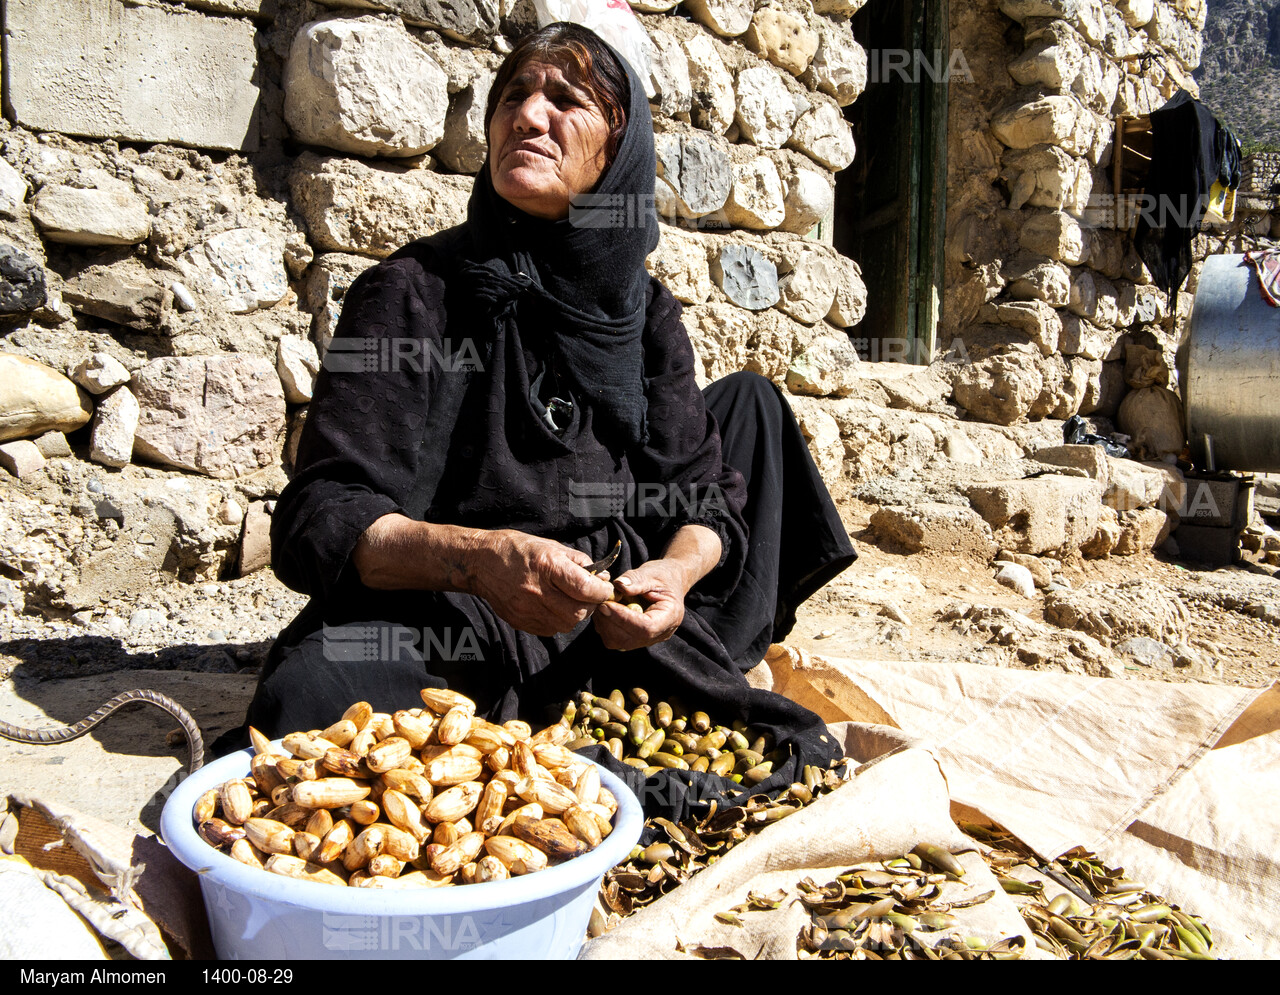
x=254, y=914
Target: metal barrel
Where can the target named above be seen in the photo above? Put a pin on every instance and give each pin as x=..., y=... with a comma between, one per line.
x=1231, y=384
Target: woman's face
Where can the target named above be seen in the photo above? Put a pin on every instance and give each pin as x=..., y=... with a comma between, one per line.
x=546, y=141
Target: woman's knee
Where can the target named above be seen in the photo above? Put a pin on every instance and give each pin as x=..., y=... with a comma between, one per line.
x=746, y=390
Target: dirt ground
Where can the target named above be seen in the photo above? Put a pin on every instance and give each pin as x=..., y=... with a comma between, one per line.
x=890, y=606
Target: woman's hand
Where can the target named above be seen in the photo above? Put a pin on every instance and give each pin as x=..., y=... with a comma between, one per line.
x=537, y=585
x=659, y=587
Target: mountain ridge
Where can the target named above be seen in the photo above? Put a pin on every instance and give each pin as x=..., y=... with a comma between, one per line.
x=1239, y=72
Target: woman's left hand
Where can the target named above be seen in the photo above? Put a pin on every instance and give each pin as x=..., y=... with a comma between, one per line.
x=659, y=586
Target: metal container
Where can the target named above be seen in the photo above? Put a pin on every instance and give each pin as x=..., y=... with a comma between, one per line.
x=1231, y=380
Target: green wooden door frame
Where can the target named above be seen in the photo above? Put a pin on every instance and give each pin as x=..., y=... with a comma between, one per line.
x=928, y=200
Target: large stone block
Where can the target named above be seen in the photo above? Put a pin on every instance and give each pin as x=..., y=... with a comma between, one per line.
x=23, y=285
x=352, y=206
x=746, y=276
x=222, y=416
x=785, y=40
x=363, y=85
x=809, y=193
x=145, y=73
x=669, y=74
x=242, y=268
x=728, y=18
x=839, y=67
x=766, y=110
x=712, y=102
x=756, y=199
x=1040, y=515
x=824, y=135
x=943, y=528
x=808, y=286
x=694, y=172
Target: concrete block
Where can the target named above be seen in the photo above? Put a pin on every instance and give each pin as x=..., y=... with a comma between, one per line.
x=106, y=69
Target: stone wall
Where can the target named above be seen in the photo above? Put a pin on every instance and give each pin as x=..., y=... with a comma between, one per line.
x=188, y=189
x=1055, y=310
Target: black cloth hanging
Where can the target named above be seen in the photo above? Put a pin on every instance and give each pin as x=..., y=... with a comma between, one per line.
x=1191, y=150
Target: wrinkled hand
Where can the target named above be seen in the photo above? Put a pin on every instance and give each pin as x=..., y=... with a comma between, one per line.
x=537, y=585
x=659, y=585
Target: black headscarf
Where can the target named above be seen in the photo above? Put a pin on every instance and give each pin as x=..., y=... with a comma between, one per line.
x=581, y=281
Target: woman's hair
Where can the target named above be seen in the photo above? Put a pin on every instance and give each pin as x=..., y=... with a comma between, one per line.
x=585, y=61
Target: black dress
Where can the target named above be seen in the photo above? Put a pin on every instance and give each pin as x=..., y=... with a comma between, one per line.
x=429, y=408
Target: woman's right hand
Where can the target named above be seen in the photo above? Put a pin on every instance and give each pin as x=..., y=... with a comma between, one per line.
x=536, y=585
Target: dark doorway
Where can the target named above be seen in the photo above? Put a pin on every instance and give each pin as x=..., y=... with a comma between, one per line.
x=891, y=203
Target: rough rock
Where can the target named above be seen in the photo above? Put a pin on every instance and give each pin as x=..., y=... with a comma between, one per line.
x=839, y=67
x=13, y=191
x=35, y=399
x=1094, y=297
x=125, y=71
x=242, y=268
x=123, y=290
x=296, y=425
x=363, y=85
x=720, y=334
x=756, y=199
x=850, y=302
x=842, y=8
x=1040, y=568
x=807, y=287
x=100, y=210
x=99, y=373
x=810, y=196
x=1141, y=531
x=1047, y=176
x=298, y=363
x=669, y=73
x=1114, y=613
x=695, y=172
x=1035, y=278
x=255, y=540
x=1153, y=418
x=680, y=264
x=824, y=135
x=1056, y=119
x=20, y=457
x=1091, y=459
x=999, y=389
x=1104, y=538
x=783, y=39
x=825, y=368
x=1136, y=13
x=1039, y=322
x=766, y=111
x=822, y=434
x=1055, y=234
x=1081, y=337
x=328, y=280
x=746, y=276
x=356, y=207
x=1039, y=515
x=466, y=20
x=465, y=145
x=53, y=444
x=1147, y=652
x=1132, y=486
x=115, y=421
x=728, y=18
x=712, y=102
x=222, y=416
x=1052, y=59
x=23, y=284
x=1016, y=577
x=932, y=527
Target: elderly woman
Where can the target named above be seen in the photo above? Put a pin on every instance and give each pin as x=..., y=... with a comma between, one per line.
x=508, y=401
